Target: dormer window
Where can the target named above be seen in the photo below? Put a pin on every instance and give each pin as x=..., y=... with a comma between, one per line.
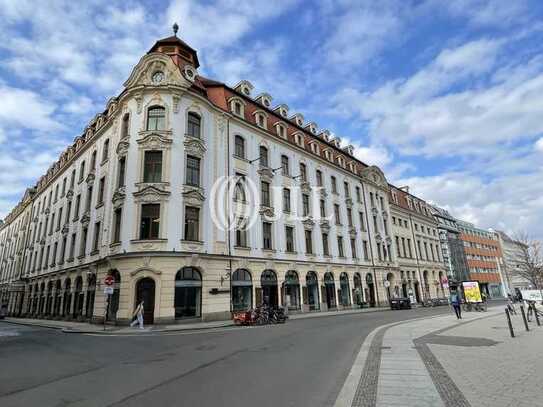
x=299, y=139
x=237, y=106
x=264, y=99
x=298, y=119
x=282, y=110
x=315, y=149
x=244, y=87
x=261, y=119
x=325, y=135
x=328, y=155
x=312, y=127
x=281, y=130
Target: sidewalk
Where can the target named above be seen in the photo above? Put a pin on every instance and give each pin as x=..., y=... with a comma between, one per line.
x=442, y=361
x=84, y=327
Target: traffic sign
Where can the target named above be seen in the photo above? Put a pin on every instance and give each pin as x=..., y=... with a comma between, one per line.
x=108, y=290
x=109, y=280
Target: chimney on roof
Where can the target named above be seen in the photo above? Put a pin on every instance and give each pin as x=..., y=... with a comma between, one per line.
x=405, y=188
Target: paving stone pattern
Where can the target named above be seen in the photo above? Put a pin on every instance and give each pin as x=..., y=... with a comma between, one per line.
x=507, y=374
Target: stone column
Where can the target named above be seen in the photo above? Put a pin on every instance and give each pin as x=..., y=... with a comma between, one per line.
x=72, y=301
x=85, y=294
x=61, y=308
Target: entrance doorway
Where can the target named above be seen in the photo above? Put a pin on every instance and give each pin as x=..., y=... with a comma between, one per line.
x=312, y=291
x=145, y=291
x=417, y=292
x=330, y=288
x=268, y=281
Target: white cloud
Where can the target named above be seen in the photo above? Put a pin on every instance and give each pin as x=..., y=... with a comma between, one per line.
x=489, y=12
x=444, y=109
x=361, y=30
x=539, y=145
x=511, y=203
x=26, y=109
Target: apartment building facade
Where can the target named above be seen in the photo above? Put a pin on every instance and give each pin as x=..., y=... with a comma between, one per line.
x=484, y=256
x=200, y=199
x=421, y=267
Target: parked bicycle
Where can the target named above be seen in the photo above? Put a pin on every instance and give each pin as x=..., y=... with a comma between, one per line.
x=262, y=315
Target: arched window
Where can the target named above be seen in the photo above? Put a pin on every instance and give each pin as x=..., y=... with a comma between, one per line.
x=193, y=125
x=292, y=290
x=242, y=290
x=330, y=290
x=188, y=293
x=93, y=161
x=312, y=288
x=156, y=118
x=124, y=126
x=264, y=162
x=239, y=192
x=239, y=147
x=344, y=286
x=105, y=151
x=285, y=165
x=268, y=281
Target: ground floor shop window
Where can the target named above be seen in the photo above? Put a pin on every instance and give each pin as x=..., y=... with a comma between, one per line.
x=330, y=290
x=188, y=293
x=242, y=290
x=292, y=290
x=344, y=285
x=312, y=290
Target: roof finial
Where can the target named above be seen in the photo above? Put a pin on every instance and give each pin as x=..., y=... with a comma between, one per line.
x=175, y=29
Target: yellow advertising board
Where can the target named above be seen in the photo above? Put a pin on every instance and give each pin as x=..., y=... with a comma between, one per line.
x=471, y=291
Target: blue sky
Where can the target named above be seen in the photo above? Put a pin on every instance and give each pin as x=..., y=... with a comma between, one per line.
x=446, y=96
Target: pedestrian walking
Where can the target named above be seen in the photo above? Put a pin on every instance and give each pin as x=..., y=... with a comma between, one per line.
x=138, y=316
x=455, y=302
x=530, y=310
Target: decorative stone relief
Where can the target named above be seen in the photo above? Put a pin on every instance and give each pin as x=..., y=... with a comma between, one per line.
x=118, y=197
x=85, y=219
x=308, y=222
x=155, y=141
x=90, y=178
x=194, y=146
x=266, y=211
x=122, y=147
x=266, y=172
x=194, y=194
x=325, y=225
x=151, y=194
x=305, y=187
x=70, y=194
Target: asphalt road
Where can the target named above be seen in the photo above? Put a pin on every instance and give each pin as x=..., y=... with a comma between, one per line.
x=301, y=363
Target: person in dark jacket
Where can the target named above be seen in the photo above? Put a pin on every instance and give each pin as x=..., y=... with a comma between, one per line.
x=455, y=303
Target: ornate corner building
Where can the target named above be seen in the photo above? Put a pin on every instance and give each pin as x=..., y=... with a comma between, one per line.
x=135, y=197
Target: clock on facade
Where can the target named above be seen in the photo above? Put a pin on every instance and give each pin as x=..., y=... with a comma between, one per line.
x=158, y=77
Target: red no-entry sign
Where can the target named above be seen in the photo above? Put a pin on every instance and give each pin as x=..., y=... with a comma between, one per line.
x=109, y=280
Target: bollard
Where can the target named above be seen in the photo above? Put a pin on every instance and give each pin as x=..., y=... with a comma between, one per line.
x=524, y=317
x=509, y=323
x=535, y=314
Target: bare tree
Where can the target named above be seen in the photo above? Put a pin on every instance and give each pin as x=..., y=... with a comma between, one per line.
x=530, y=265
